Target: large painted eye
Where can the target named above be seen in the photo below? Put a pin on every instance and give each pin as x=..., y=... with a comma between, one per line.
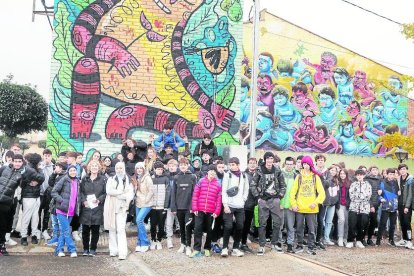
x=211, y=35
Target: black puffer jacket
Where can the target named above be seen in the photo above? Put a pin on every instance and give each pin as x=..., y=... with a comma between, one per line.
x=201, y=147
x=97, y=187
x=9, y=181
x=250, y=202
x=61, y=194
x=53, y=179
x=31, y=174
x=374, y=181
x=169, y=188
x=182, y=191
x=140, y=150
x=259, y=184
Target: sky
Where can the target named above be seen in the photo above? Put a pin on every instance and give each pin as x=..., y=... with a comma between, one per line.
x=25, y=48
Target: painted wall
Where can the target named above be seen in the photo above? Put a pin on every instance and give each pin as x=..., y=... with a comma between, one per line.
x=126, y=68
x=316, y=96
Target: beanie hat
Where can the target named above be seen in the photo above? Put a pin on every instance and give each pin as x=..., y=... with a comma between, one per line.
x=158, y=165
x=308, y=160
x=268, y=154
x=196, y=158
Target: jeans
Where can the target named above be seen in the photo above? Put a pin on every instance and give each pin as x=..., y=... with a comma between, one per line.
x=320, y=222
x=238, y=214
x=342, y=214
x=290, y=225
x=65, y=235
x=248, y=218
x=329, y=214
x=383, y=223
x=140, y=214
x=405, y=223
x=90, y=242
x=202, y=221
x=55, y=226
x=270, y=207
x=300, y=227
x=157, y=220
x=357, y=226
x=186, y=221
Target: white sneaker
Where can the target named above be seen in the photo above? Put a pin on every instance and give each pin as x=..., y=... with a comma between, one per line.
x=224, y=252
x=359, y=244
x=349, y=244
x=237, y=253
x=46, y=235
x=73, y=255
x=159, y=246
x=122, y=258
x=75, y=235
x=169, y=243
x=144, y=249
x=341, y=242
x=409, y=245
x=181, y=249
x=10, y=241
x=329, y=242
x=61, y=254
x=147, y=227
x=401, y=243
x=153, y=245
x=188, y=251
x=138, y=248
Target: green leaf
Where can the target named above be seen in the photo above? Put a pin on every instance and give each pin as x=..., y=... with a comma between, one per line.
x=55, y=142
x=204, y=17
x=225, y=96
x=65, y=53
x=225, y=138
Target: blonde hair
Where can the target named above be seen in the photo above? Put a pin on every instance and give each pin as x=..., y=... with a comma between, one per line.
x=88, y=167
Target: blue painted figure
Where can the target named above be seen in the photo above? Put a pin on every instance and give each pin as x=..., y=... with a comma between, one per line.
x=279, y=138
x=245, y=100
x=391, y=100
x=301, y=74
x=284, y=67
x=327, y=108
x=266, y=62
x=289, y=117
x=345, y=87
x=374, y=121
x=349, y=143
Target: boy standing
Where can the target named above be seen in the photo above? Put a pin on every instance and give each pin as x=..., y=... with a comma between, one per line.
x=404, y=205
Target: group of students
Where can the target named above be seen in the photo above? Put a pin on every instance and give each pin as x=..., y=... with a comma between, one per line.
x=274, y=202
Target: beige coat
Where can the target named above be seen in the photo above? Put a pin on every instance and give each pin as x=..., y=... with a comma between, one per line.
x=144, y=193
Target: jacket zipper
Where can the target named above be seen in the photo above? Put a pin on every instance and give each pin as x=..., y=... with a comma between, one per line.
x=208, y=190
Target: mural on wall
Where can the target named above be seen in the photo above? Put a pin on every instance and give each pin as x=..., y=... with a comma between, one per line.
x=319, y=97
x=126, y=68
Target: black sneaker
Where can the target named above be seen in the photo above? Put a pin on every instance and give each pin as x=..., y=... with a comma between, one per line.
x=245, y=249
x=378, y=242
x=3, y=251
x=85, y=253
x=371, y=243
x=392, y=243
x=364, y=243
x=34, y=240
x=24, y=242
x=320, y=245
x=299, y=249
x=92, y=253
x=15, y=234
x=277, y=248
x=290, y=249
x=311, y=251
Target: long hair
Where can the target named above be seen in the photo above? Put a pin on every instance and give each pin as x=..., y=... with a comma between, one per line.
x=346, y=181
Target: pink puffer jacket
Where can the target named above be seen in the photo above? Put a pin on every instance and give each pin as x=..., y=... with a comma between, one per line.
x=207, y=196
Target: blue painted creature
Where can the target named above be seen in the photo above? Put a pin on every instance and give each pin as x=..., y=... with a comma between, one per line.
x=351, y=144
x=289, y=117
x=301, y=74
x=391, y=101
x=327, y=108
x=374, y=121
x=266, y=63
x=344, y=86
x=279, y=138
x=245, y=100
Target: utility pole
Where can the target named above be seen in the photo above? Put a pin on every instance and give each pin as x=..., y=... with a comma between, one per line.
x=253, y=114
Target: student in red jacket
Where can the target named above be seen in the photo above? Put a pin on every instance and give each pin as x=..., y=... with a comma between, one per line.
x=206, y=206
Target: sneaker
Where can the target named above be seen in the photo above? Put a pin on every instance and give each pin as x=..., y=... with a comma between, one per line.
x=320, y=245
x=237, y=253
x=207, y=253
x=329, y=242
x=181, y=249
x=378, y=242
x=76, y=237
x=401, y=243
x=169, y=243
x=159, y=246
x=349, y=245
x=277, y=248
x=409, y=245
x=34, y=240
x=46, y=235
x=11, y=242
x=246, y=249
x=121, y=258
x=61, y=254
x=260, y=251
x=85, y=253
x=196, y=254
x=311, y=251
x=144, y=248
x=153, y=245
x=299, y=249
x=73, y=255
x=3, y=250
x=216, y=248
x=290, y=249
x=188, y=251
x=359, y=245
x=341, y=242
x=392, y=243
x=24, y=242
x=364, y=243
x=92, y=253
x=138, y=248
x=52, y=242
x=15, y=234
x=370, y=242
x=225, y=252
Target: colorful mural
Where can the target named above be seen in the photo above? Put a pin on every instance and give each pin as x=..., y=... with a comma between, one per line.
x=126, y=68
x=315, y=96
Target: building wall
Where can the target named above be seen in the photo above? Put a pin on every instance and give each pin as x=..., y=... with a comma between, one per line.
x=126, y=68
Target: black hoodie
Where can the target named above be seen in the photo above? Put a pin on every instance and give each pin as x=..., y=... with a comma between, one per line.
x=182, y=191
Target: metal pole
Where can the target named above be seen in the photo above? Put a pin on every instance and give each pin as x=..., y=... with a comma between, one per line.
x=255, y=71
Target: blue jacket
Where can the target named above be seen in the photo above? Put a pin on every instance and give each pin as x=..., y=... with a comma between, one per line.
x=389, y=196
x=172, y=139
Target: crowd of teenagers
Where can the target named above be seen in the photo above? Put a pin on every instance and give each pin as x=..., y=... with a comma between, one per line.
x=155, y=185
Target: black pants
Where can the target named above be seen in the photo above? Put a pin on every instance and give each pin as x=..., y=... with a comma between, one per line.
x=44, y=206
x=248, y=218
x=90, y=236
x=321, y=215
x=217, y=232
x=10, y=217
x=157, y=219
x=383, y=223
x=4, y=214
x=238, y=214
x=203, y=221
x=405, y=223
x=373, y=223
x=75, y=223
x=186, y=221
x=357, y=224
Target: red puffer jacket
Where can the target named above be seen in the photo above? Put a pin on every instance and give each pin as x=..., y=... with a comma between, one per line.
x=207, y=196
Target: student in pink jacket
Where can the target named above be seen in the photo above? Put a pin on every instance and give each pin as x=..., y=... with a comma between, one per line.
x=206, y=206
